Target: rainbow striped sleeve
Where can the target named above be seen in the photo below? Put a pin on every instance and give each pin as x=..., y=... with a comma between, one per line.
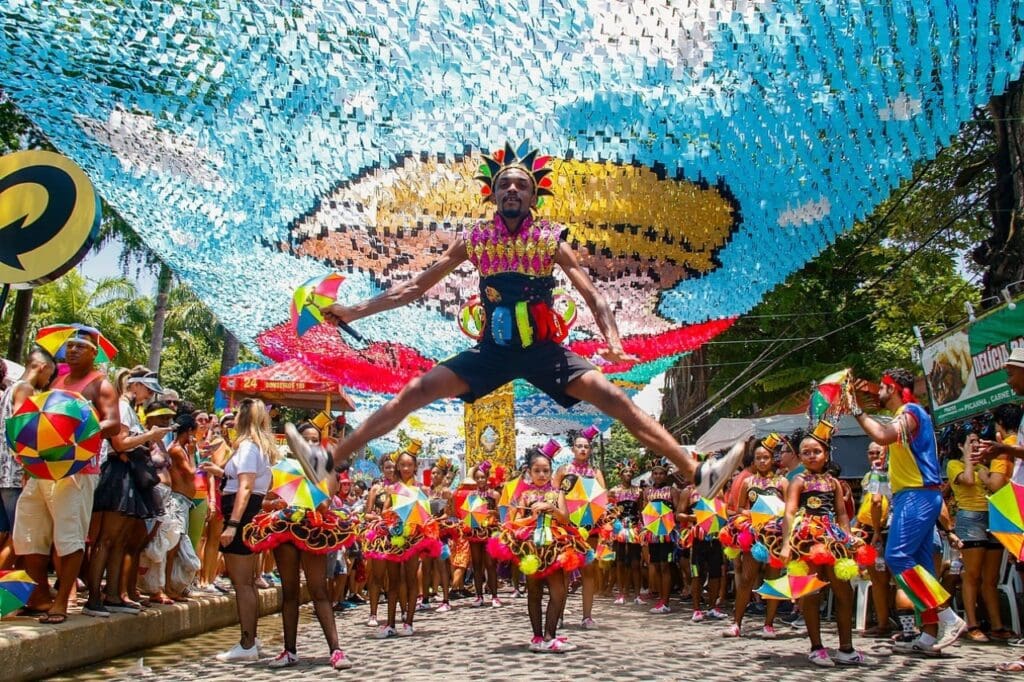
x=921, y=587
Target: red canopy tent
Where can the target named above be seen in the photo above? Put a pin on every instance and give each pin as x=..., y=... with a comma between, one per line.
x=288, y=383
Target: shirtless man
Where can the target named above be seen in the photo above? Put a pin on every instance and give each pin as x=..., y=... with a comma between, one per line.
x=182, y=472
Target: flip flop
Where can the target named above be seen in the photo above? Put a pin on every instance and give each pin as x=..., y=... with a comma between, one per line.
x=27, y=612
x=1011, y=667
x=53, y=618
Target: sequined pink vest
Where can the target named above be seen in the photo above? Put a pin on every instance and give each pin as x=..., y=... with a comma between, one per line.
x=531, y=251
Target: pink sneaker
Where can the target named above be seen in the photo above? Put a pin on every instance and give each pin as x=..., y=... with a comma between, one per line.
x=537, y=643
x=698, y=616
x=660, y=607
x=443, y=607
x=478, y=602
x=496, y=603
x=339, y=661
x=620, y=600
x=768, y=632
x=731, y=631
x=555, y=646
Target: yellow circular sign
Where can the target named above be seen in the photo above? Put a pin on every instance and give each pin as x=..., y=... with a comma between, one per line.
x=49, y=216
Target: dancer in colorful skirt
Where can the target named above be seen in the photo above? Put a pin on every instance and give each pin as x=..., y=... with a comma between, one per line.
x=477, y=537
x=539, y=539
x=301, y=539
x=404, y=532
x=625, y=524
x=916, y=483
x=816, y=531
x=661, y=548
x=769, y=487
x=581, y=467
x=376, y=569
x=434, y=570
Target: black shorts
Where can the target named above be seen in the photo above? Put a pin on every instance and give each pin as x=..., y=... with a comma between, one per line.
x=661, y=552
x=547, y=365
x=237, y=546
x=627, y=553
x=708, y=558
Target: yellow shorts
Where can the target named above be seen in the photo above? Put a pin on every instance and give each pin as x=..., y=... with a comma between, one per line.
x=54, y=513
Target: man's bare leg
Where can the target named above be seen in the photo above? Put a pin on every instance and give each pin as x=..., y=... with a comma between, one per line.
x=594, y=388
x=440, y=382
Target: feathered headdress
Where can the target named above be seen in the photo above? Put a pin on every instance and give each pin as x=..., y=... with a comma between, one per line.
x=522, y=158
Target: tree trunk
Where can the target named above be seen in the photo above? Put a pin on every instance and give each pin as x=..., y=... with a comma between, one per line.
x=686, y=387
x=19, y=325
x=1002, y=254
x=156, y=342
x=229, y=356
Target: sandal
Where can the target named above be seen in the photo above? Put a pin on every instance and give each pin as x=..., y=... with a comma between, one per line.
x=1011, y=667
x=53, y=618
x=974, y=634
x=1002, y=634
x=29, y=612
x=878, y=632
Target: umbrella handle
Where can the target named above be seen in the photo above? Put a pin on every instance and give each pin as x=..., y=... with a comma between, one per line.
x=347, y=328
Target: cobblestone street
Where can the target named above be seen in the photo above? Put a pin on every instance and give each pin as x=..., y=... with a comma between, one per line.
x=487, y=643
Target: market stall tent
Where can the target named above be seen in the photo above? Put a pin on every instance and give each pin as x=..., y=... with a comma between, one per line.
x=289, y=383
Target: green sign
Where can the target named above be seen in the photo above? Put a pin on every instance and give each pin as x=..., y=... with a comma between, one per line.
x=964, y=368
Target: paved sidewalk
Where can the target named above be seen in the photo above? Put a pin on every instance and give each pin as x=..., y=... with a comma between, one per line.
x=490, y=644
x=29, y=650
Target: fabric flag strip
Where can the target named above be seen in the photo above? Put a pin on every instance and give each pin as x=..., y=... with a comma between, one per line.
x=921, y=587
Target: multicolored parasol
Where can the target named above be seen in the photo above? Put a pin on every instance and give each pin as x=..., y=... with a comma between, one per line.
x=604, y=552
x=15, y=589
x=791, y=587
x=312, y=295
x=54, y=337
x=711, y=515
x=509, y=491
x=1005, y=518
x=411, y=505
x=586, y=500
x=828, y=396
x=658, y=518
x=766, y=508
x=54, y=434
x=475, y=513
x=291, y=485
x=365, y=471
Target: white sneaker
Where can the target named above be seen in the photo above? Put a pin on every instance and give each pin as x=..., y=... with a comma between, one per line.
x=239, y=653
x=821, y=657
x=914, y=645
x=496, y=603
x=371, y=622
x=715, y=472
x=852, y=658
x=717, y=614
x=731, y=631
x=477, y=603
x=443, y=607
x=768, y=632
x=640, y=601
x=697, y=617
x=588, y=624
x=283, y=660
x=536, y=644
x=386, y=631
x=620, y=600
x=565, y=644
x=554, y=646
x=949, y=633
x=660, y=607
x=405, y=631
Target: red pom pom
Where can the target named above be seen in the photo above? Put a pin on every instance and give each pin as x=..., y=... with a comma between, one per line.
x=820, y=556
x=745, y=540
x=775, y=562
x=726, y=538
x=570, y=560
x=865, y=555
x=498, y=550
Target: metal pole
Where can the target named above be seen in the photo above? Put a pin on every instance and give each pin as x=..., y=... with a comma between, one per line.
x=4, y=294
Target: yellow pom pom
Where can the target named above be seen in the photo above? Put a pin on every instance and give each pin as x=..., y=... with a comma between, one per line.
x=798, y=568
x=584, y=533
x=398, y=541
x=732, y=553
x=529, y=564
x=846, y=569
x=297, y=516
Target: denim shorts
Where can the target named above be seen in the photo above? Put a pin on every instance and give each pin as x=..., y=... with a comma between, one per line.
x=972, y=529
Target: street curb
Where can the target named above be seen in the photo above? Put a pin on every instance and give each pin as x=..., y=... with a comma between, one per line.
x=31, y=651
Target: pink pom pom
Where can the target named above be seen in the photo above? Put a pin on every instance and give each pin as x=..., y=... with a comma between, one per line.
x=498, y=550
x=371, y=535
x=820, y=556
x=745, y=540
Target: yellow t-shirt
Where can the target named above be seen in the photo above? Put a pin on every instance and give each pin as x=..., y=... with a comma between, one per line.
x=968, y=497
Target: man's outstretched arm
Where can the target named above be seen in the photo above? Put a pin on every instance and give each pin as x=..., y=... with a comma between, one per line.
x=566, y=260
x=404, y=293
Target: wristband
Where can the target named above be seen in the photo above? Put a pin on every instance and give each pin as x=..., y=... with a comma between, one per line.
x=231, y=524
x=856, y=411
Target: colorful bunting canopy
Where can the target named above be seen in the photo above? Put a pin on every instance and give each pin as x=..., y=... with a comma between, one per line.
x=291, y=485
x=702, y=151
x=54, y=434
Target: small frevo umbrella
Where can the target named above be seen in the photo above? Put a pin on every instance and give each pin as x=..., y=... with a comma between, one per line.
x=791, y=587
x=291, y=485
x=766, y=508
x=15, y=589
x=309, y=297
x=658, y=518
x=475, y=511
x=1005, y=518
x=54, y=434
x=54, y=337
x=411, y=505
x=711, y=515
x=586, y=501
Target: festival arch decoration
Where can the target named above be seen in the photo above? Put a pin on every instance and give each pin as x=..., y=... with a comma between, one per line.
x=702, y=151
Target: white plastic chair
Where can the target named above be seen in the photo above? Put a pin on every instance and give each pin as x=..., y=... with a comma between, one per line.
x=863, y=589
x=1010, y=585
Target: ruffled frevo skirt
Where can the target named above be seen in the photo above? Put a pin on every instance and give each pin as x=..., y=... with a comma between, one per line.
x=389, y=539
x=310, y=531
x=816, y=539
x=539, y=546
